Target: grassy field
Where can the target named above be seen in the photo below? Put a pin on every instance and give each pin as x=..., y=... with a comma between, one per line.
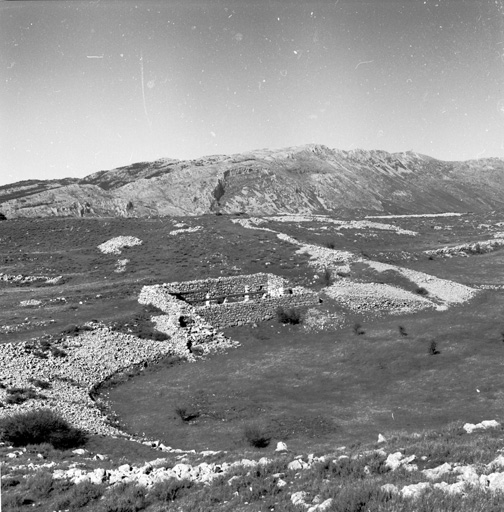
x=325, y=389
x=314, y=389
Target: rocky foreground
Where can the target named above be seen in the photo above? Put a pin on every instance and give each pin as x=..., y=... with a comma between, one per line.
x=380, y=475
x=76, y=365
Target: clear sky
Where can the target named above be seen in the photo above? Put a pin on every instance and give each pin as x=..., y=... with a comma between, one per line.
x=89, y=86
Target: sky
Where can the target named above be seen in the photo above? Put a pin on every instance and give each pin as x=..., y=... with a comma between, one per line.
x=90, y=86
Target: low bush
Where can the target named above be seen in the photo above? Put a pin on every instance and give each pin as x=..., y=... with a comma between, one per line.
x=288, y=316
x=19, y=395
x=74, y=330
x=41, y=349
x=433, y=350
x=256, y=436
x=326, y=277
x=169, y=490
x=186, y=414
x=38, y=383
x=57, y=352
x=80, y=495
x=124, y=498
x=40, y=426
x=357, y=329
x=358, y=468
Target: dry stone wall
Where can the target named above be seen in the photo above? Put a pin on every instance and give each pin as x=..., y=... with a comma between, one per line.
x=204, y=290
x=254, y=298
x=238, y=313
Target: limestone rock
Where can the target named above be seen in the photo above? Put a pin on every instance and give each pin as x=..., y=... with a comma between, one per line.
x=281, y=447
x=413, y=491
x=298, y=498
x=437, y=472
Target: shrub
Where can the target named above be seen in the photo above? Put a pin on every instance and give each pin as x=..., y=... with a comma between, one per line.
x=74, y=330
x=124, y=498
x=186, y=414
x=256, y=436
x=40, y=485
x=40, y=426
x=357, y=329
x=80, y=495
x=197, y=350
x=57, y=352
x=358, y=468
x=42, y=384
x=288, y=316
x=45, y=344
x=326, y=278
x=421, y=291
x=20, y=395
x=433, y=350
x=9, y=481
x=170, y=490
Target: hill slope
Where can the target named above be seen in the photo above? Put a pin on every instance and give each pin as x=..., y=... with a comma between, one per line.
x=303, y=179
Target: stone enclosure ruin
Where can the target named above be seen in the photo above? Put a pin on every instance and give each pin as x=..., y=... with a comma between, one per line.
x=226, y=301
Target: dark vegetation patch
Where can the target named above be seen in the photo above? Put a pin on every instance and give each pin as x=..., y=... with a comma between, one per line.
x=288, y=315
x=357, y=329
x=186, y=413
x=326, y=277
x=44, y=347
x=141, y=325
x=40, y=426
x=16, y=396
x=256, y=436
x=433, y=348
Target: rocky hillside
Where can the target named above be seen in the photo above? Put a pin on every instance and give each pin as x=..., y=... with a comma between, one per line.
x=303, y=179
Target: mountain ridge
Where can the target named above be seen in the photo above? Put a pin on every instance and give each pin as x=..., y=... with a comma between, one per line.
x=311, y=178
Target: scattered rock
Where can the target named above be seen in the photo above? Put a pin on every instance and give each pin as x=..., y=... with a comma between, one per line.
x=471, y=427
x=281, y=447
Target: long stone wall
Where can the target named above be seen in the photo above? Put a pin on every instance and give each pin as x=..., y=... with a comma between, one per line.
x=238, y=313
